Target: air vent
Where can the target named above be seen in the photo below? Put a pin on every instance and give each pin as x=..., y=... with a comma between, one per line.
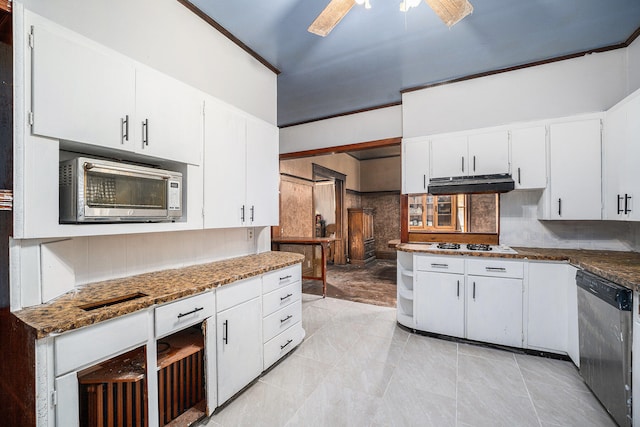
x=65, y=175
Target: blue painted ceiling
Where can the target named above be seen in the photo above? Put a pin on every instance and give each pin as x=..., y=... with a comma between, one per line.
x=373, y=54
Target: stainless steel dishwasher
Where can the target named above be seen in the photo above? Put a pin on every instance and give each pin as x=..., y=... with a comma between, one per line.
x=604, y=323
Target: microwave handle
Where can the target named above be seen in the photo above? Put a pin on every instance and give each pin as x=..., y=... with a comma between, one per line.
x=89, y=166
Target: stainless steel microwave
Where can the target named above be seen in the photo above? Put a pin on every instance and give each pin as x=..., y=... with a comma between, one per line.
x=93, y=190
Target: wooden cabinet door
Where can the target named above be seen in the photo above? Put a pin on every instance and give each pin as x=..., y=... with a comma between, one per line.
x=528, y=157
x=239, y=349
x=489, y=153
x=168, y=121
x=415, y=166
x=439, y=303
x=494, y=310
x=263, y=176
x=224, y=166
x=449, y=157
x=575, y=170
x=80, y=91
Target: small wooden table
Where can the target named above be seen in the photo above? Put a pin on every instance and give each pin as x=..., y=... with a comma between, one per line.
x=323, y=242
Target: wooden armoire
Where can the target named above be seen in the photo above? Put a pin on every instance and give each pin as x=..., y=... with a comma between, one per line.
x=362, y=244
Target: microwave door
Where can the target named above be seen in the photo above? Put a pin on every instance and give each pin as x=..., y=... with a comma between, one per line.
x=112, y=193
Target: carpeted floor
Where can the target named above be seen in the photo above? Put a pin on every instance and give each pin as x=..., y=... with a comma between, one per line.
x=373, y=284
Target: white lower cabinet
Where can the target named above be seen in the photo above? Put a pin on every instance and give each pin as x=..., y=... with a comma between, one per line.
x=494, y=310
x=239, y=336
x=440, y=300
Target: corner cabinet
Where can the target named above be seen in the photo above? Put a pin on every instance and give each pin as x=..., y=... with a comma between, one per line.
x=240, y=168
x=574, y=191
x=362, y=244
x=415, y=165
x=405, y=286
x=621, y=178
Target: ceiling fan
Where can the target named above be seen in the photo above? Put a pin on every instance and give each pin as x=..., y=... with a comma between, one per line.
x=450, y=11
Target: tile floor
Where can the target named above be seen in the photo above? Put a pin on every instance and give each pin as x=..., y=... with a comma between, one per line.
x=356, y=367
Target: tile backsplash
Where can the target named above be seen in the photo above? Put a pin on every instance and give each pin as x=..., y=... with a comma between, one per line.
x=519, y=226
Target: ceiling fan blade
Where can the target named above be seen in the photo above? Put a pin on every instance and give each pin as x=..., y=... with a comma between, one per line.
x=330, y=16
x=450, y=11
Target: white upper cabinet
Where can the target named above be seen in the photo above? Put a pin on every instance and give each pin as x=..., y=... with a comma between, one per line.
x=489, y=153
x=86, y=93
x=168, y=118
x=263, y=178
x=240, y=169
x=620, y=152
x=575, y=171
x=476, y=154
x=415, y=166
x=528, y=157
x=79, y=92
x=449, y=157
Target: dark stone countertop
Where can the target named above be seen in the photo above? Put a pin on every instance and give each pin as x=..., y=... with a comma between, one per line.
x=619, y=267
x=64, y=313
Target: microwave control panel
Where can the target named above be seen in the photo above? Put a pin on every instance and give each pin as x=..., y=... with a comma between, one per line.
x=175, y=196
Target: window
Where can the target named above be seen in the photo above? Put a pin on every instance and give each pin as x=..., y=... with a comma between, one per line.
x=462, y=213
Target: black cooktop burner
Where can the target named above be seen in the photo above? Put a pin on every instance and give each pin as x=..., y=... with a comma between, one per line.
x=448, y=245
x=478, y=247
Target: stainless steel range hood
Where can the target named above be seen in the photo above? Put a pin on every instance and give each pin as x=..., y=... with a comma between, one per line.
x=472, y=184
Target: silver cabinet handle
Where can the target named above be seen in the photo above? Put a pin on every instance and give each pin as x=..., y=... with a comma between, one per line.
x=195, y=310
x=286, y=318
x=124, y=128
x=501, y=269
x=145, y=133
x=440, y=265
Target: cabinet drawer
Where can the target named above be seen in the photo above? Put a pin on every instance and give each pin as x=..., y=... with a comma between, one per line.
x=281, y=320
x=282, y=344
x=281, y=298
x=183, y=313
x=279, y=278
x=235, y=293
x=92, y=344
x=442, y=264
x=495, y=268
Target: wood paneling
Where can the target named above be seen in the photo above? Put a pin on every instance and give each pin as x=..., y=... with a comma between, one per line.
x=490, y=239
x=343, y=148
x=17, y=372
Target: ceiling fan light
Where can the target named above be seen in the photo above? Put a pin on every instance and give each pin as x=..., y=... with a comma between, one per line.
x=367, y=4
x=450, y=11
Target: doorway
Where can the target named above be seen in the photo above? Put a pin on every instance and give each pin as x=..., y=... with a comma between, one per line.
x=330, y=211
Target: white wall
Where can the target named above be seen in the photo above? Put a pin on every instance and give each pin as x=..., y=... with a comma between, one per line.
x=351, y=129
x=633, y=66
x=519, y=226
x=168, y=37
x=587, y=84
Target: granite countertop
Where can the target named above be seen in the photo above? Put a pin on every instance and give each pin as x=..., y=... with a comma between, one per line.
x=64, y=313
x=619, y=267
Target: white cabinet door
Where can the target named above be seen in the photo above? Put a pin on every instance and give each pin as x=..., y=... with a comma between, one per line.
x=614, y=172
x=494, y=310
x=439, y=300
x=262, y=174
x=67, y=407
x=239, y=331
x=632, y=154
x=168, y=118
x=528, y=157
x=224, y=166
x=449, y=157
x=575, y=170
x=80, y=92
x=489, y=153
x=548, y=301
x=415, y=166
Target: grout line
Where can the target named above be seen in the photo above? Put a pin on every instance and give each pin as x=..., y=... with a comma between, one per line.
x=526, y=387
